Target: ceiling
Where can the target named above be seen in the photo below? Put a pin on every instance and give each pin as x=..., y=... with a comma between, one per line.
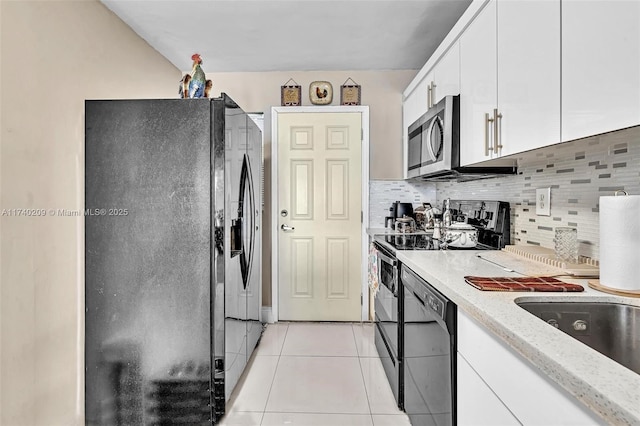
x=292, y=35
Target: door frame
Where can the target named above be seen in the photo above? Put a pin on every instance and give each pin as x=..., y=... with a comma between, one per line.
x=275, y=235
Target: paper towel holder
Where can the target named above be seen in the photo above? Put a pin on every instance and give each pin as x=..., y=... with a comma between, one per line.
x=597, y=285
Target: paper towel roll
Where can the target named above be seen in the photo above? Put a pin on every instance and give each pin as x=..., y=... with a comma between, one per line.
x=620, y=242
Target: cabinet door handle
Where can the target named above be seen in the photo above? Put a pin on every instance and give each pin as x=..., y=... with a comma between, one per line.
x=495, y=130
x=487, y=121
x=429, y=96
x=433, y=93
x=498, y=126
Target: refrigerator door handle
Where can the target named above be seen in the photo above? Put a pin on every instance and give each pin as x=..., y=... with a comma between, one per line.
x=246, y=253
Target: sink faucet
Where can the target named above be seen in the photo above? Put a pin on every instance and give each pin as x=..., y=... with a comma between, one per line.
x=446, y=216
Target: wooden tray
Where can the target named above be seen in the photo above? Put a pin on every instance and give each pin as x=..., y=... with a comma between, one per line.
x=526, y=257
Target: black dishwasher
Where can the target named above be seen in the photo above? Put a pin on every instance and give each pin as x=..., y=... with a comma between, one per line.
x=429, y=353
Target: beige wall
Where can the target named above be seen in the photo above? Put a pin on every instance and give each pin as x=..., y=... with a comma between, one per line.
x=55, y=54
x=381, y=91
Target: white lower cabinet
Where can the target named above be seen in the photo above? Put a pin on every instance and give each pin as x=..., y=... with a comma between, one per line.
x=477, y=404
x=510, y=380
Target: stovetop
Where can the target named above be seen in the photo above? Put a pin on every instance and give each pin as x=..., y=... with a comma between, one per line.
x=490, y=219
x=410, y=241
x=424, y=241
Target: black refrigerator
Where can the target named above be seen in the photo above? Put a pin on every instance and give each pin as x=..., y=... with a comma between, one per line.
x=172, y=258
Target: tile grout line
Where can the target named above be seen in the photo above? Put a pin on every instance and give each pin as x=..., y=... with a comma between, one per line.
x=280, y=354
x=364, y=382
x=273, y=379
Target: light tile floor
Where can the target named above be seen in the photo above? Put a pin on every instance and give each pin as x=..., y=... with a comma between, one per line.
x=315, y=374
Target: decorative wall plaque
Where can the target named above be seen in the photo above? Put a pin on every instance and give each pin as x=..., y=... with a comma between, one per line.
x=290, y=94
x=320, y=92
x=350, y=93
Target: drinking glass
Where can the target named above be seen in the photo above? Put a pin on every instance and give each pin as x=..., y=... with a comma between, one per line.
x=566, y=244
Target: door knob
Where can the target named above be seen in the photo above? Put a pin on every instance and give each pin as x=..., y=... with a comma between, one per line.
x=287, y=227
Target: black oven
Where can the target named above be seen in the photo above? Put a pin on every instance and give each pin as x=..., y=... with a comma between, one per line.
x=415, y=331
x=388, y=319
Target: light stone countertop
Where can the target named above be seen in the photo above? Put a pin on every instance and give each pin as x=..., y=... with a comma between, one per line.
x=603, y=385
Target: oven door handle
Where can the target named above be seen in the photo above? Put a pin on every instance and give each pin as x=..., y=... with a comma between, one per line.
x=394, y=266
x=391, y=261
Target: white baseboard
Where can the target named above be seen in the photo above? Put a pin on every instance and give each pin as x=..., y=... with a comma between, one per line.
x=267, y=315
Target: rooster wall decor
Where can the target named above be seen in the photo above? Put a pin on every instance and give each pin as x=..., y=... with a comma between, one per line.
x=320, y=93
x=193, y=86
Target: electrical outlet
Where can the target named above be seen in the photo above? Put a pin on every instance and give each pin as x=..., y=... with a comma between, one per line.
x=543, y=201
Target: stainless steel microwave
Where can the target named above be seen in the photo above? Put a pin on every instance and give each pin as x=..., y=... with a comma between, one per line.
x=433, y=137
x=434, y=147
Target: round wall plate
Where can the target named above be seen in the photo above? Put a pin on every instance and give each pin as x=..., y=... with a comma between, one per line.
x=320, y=93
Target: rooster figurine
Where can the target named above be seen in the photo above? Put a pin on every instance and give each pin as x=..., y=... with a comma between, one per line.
x=198, y=79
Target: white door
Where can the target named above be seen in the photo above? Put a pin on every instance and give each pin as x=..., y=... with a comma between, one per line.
x=319, y=216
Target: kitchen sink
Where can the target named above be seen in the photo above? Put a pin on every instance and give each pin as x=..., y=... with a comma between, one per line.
x=613, y=329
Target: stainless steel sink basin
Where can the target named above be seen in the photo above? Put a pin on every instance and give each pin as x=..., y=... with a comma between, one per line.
x=613, y=329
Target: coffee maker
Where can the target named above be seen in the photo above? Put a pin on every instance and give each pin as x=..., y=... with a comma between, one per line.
x=398, y=210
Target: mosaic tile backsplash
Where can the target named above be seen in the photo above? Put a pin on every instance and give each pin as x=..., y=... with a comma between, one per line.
x=384, y=192
x=578, y=173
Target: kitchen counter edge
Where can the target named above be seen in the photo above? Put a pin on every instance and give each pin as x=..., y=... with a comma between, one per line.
x=612, y=391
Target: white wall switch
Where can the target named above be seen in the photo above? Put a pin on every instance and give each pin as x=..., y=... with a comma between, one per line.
x=543, y=201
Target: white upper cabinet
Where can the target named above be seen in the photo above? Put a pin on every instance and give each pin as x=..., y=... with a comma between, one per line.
x=600, y=66
x=510, y=79
x=446, y=75
x=415, y=104
x=441, y=80
x=478, y=87
x=528, y=74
